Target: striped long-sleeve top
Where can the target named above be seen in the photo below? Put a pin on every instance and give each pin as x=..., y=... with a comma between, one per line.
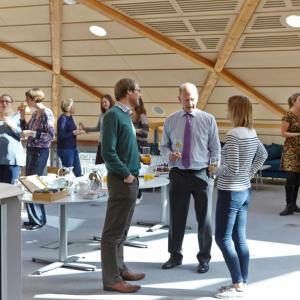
x=242, y=156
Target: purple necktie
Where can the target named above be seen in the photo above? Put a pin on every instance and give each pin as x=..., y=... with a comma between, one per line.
x=187, y=140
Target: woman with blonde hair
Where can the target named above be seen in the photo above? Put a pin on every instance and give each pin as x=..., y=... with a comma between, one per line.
x=39, y=131
x=67, y=137
x=290, y=160
x=242, y=156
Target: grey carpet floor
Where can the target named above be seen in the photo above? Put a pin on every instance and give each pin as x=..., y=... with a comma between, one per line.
x=274, y=243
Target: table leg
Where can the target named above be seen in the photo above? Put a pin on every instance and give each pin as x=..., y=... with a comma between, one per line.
x=164, y=212
x=63, y=259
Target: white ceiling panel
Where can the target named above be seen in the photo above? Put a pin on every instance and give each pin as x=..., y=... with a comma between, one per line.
x=80, y=31
x=25, y=33
x=23, y=15
x=104, y=78
x=95, y=63
x=169, y=78
x=16, y=3
x=271, y=77
x=34, y=48
x=16, y=64
x=162, y=61
x=80, y=13
x=137, y=46
x=25, y=79
x=264, y=59
x=85, y=48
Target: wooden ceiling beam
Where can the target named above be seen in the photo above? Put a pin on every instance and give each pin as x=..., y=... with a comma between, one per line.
x=232, y=39
x=148, y=32
x=32, y=60
x=55, y=8
x=48, y=67
x=235, y=33
x=86, y=88
x=207, y=89
x=181, y=50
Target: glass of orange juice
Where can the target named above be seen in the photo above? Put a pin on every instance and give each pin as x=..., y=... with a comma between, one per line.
x=149, y=175
x=146, y=157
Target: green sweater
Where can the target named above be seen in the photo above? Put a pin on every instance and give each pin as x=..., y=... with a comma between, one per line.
x=119, y=146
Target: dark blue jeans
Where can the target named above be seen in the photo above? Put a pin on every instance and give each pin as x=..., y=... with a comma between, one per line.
x=70, y=158
x=36, y=161
x=8, y=173
x=231, y=221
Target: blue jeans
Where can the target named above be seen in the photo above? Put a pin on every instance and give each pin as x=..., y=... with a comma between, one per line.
x=231, y=221
x=36, y=161
x=8, y=173
x=70, y=158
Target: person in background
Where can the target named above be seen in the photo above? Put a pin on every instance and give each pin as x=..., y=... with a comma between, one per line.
x=290, y=160
x=39, y=131
x=106, y=102
x=190, y=138
x=242, y=156
x=67, y=137
x=121, y=156
x=12, y=156
x=141, y=124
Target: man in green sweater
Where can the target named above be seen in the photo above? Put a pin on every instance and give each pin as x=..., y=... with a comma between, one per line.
x=121, y=156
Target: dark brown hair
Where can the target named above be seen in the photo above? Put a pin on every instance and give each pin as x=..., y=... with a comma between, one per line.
x=123, y=86
x=139, y=110
x=111, y=102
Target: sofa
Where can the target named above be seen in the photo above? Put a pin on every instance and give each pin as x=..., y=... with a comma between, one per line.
x=274, y=159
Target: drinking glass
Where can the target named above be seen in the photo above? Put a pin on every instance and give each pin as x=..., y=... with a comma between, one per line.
x=214, y=162
x=178, y=144
x=146, y=157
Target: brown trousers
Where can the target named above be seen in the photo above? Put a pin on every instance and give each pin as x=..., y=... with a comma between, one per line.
x=120, y=208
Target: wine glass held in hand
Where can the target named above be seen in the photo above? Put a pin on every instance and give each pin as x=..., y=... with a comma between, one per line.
x=178, y=145
x=214, y=163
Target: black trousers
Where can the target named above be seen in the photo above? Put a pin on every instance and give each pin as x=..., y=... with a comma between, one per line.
x=183, y=185
x=99, y=158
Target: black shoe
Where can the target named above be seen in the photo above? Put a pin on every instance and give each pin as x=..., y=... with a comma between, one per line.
x=171, y=263
x=296, y=208
x=287, y=211
x=34, y=227
x=28, y=224
x=203, y=267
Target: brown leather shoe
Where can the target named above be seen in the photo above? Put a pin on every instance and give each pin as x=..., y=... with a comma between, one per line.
x=122, y=287
x=130, y=276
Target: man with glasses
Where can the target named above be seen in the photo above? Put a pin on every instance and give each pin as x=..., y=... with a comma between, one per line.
x=121, y=156
x=12, y=155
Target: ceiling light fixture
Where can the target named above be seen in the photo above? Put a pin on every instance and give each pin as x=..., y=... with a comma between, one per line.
x=293, y=21
x=97, y=30
x=70, y=1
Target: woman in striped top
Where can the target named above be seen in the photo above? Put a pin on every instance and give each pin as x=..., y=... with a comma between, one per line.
x=242, y=156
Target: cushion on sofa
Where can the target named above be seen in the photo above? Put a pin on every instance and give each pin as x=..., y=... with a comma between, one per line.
x=274, y=163
x=274, y=151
